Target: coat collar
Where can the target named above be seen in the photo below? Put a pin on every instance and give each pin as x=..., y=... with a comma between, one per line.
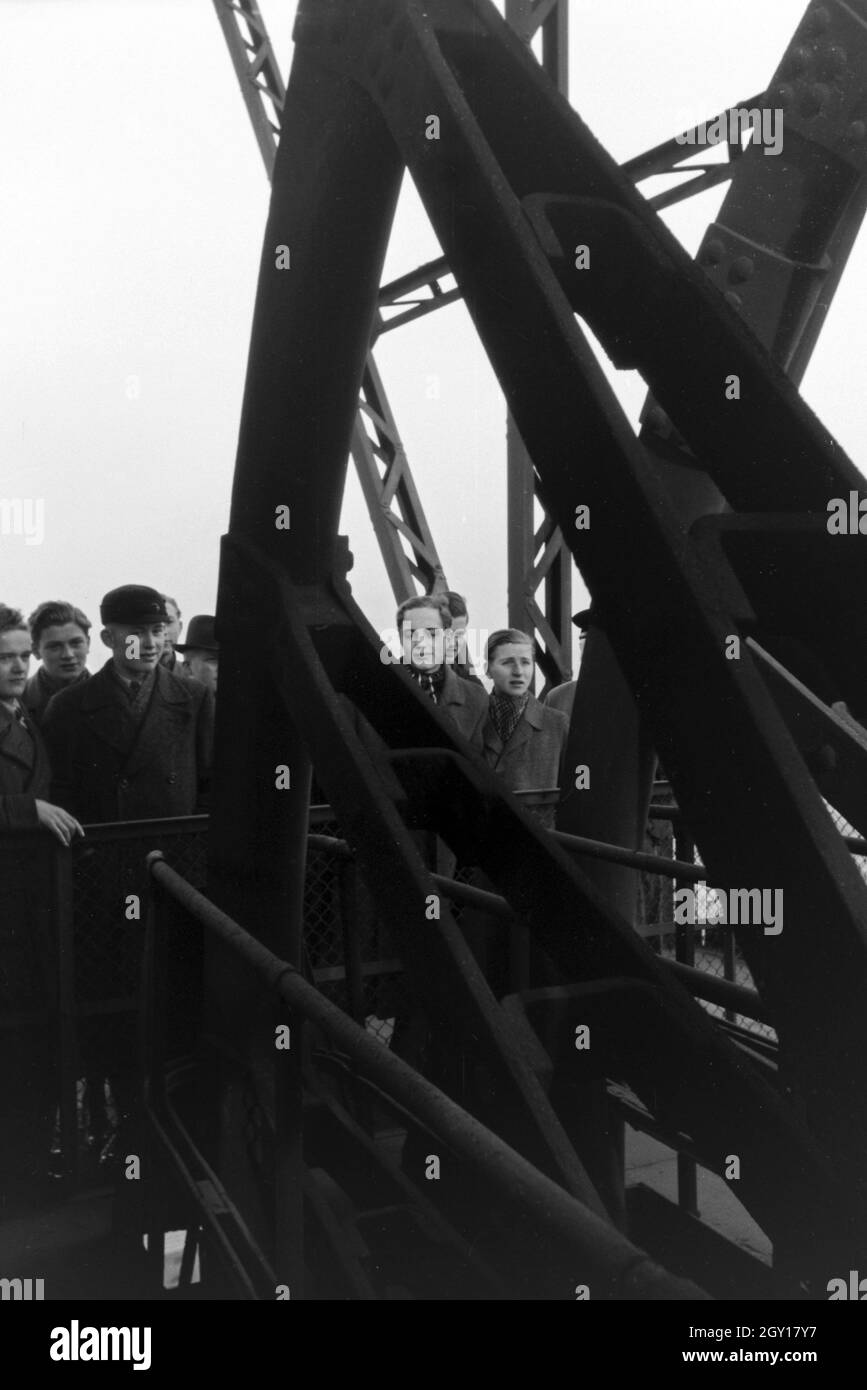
x=104, y=689
x=105, y=706
x=16, y=743
x=532, y=718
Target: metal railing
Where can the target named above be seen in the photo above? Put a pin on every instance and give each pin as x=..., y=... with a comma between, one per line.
x=575, y=1237
x=79, y=899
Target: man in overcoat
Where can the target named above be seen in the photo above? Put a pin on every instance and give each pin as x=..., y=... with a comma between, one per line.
x=134, y=742
x=61, y=640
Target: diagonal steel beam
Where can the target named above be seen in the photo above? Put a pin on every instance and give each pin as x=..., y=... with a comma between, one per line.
x=415, y=565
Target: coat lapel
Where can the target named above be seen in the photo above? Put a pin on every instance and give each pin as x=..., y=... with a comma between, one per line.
x=530, y=720
x=105, y=709
x=169, y=711
x=16, y=744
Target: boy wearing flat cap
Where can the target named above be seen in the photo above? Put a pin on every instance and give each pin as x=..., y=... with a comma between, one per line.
x=135, y=741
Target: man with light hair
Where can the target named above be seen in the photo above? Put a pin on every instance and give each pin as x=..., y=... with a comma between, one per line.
x=61, y=640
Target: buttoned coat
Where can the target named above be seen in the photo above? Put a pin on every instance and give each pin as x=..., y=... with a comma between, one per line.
x=531, y=759
x=105, y=768
x=24, y=779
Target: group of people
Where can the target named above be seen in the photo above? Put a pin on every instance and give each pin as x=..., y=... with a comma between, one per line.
x=131, y=742
x=520, y=737
x=134, y=740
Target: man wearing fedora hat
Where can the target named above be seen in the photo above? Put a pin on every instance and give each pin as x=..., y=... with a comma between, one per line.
x=135, y=741
x=201, y=651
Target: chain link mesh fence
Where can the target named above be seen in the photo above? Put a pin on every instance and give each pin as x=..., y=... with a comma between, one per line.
x=711, y=944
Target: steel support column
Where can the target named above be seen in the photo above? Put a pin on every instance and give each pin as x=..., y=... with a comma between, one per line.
x=318, y=267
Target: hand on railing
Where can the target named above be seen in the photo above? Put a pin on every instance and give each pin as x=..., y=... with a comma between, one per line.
x=58, y=821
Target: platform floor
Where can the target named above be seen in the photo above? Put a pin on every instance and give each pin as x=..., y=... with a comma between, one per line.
x=70, y=1245
x=654, y=1165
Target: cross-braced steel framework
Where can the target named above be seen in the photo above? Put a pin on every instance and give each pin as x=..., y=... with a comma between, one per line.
x=691, y=580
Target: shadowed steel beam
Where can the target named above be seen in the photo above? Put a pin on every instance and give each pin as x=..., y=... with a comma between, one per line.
x=299, y=405
x=399, y=521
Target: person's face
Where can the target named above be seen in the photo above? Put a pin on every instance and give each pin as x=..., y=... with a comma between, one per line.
x=426, y=649
x=173, y=626
x=63, y=649
x=511, y=668
x=15, y=653
x=204, y=666
x=136, y=649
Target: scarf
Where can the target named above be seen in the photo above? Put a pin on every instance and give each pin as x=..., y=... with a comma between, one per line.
x=432, y=682
x=506, y=712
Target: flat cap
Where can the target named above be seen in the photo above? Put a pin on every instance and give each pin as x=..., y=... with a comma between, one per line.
x=133, y=603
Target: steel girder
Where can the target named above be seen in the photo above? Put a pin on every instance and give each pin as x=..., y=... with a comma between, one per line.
x=256, y=68
x=392, y=498
x=777, y=251
x=710, y=717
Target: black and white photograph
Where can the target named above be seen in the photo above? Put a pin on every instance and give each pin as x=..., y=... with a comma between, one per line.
x=433, y=691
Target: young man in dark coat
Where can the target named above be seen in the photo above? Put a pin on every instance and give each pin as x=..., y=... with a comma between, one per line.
x=422, y=624
x=27, y=979
x=25, y=776
x=61, y=640
x=134, y=742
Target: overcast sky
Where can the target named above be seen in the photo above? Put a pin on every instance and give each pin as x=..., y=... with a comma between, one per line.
x=134, y=205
